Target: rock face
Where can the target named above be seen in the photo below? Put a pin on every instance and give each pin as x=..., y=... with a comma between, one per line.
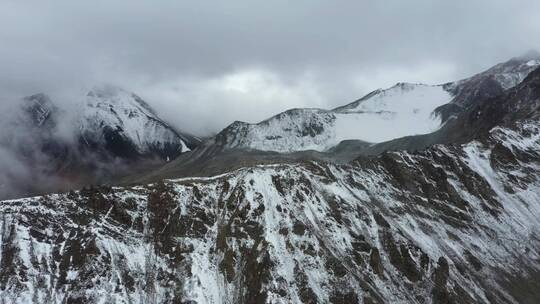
x=451, y=224
x=405, y=109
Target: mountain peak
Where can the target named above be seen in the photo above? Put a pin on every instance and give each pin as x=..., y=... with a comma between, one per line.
x=115, y=96
x=124, y=117
x=109, y=120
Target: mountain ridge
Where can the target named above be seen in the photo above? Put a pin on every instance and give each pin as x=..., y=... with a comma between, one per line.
x=217, y=155
x=438, y=109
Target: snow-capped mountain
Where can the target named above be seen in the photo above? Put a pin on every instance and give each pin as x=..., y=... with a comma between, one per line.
x=108, y=120
x=104, y=133
x=125, y=125
x=296, y=129
x=522, y=101
x=403, y=110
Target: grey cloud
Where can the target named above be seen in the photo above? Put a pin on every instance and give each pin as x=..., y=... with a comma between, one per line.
x=184, y=57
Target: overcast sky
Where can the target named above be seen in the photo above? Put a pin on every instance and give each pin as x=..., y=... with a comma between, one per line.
x=204, y=64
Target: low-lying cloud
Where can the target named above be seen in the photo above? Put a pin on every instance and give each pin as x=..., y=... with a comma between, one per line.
x=204, y=65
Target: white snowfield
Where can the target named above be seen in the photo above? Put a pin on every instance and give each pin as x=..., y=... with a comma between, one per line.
x=402, y=110
x=405, y=109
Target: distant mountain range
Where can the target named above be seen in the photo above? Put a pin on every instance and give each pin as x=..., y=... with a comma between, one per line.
x=382, y=115
x=450, y=216
x=114, y=134
x=404, y=117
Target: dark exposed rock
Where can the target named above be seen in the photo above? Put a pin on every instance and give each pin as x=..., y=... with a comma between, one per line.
x=344, y=297
x=375, y=262
x=299, y=228
x=477, y=265
x=440, y=278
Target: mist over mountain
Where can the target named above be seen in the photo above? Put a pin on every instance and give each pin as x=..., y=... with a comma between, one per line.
x=109, y=133
x=203, y=67
x=450, y=223
x=360, y=152
x=104, y=133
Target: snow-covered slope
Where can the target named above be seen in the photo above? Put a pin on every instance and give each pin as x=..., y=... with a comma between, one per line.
x=293, y=130
x=403, y=110
x=112, y=114
x=452, y=224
